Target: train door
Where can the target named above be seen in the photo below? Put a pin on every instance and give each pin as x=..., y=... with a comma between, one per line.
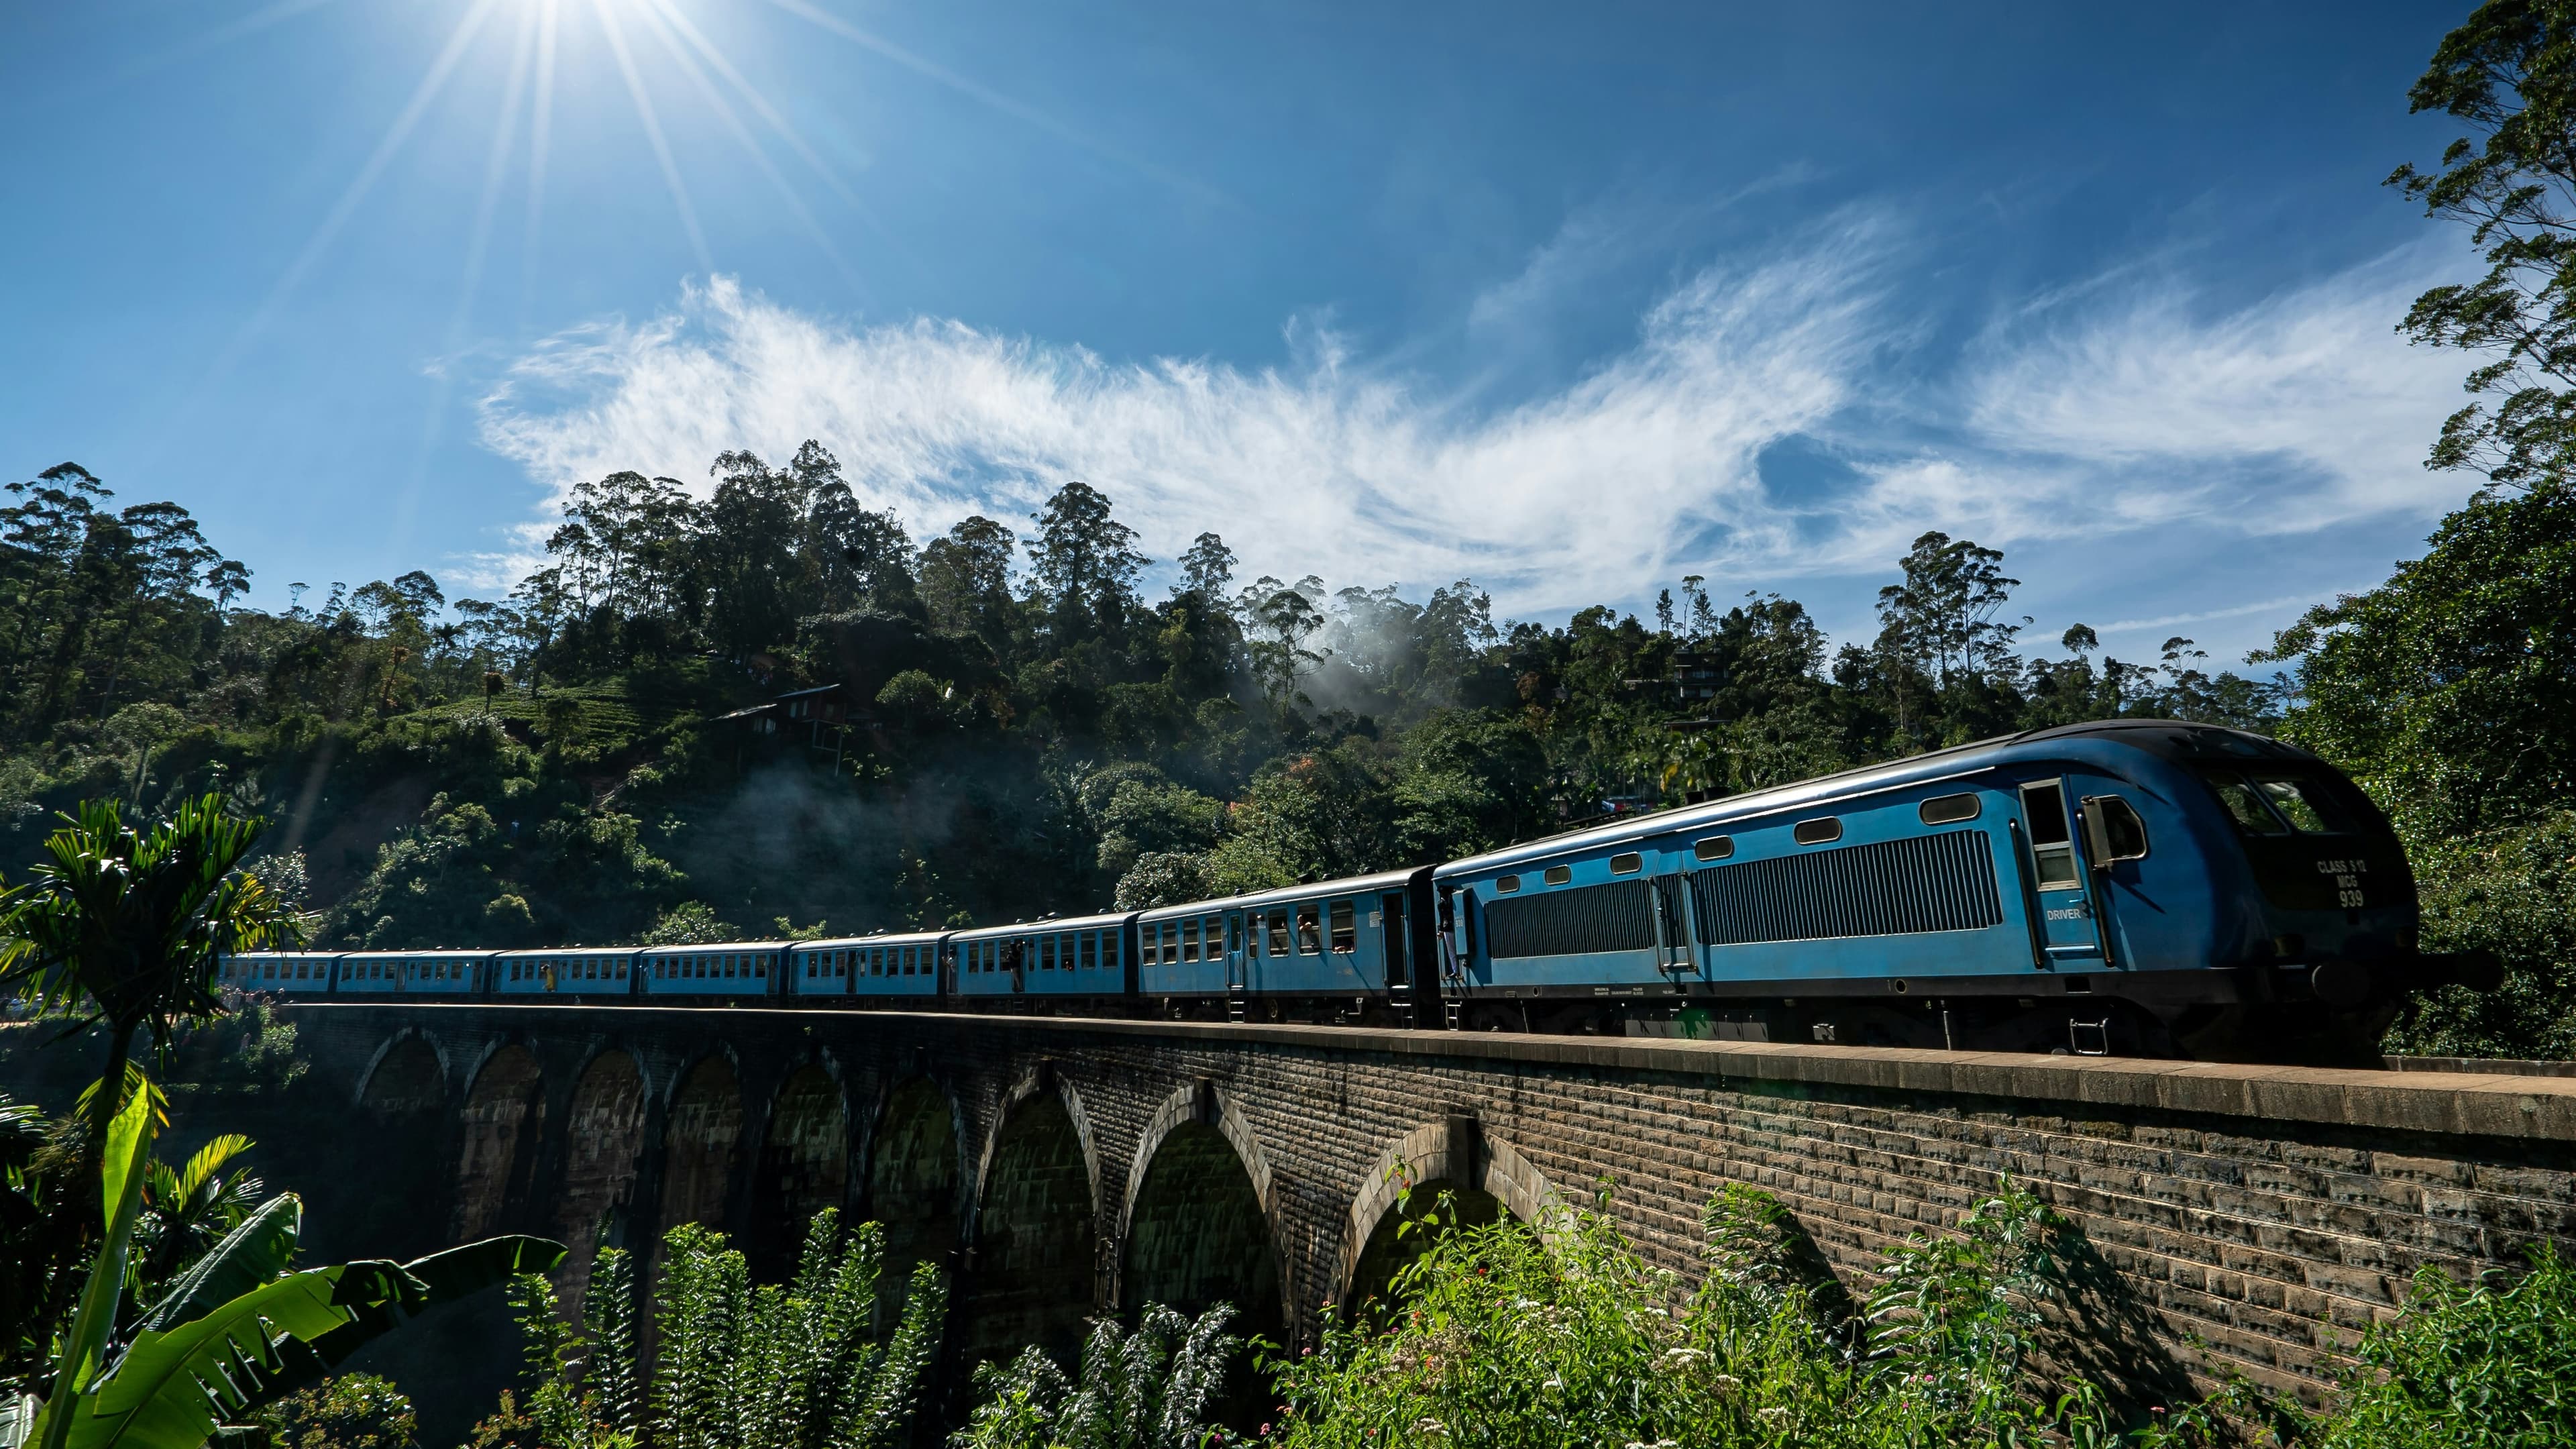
x=2070, y=927
x=1237, y=974
x=1399, y=964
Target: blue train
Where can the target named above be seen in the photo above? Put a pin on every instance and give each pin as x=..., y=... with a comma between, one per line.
x=2126, y=887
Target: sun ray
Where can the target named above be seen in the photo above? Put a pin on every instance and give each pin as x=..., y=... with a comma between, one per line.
x=496, y=165
x=715, y=59
x=741, y=133
x=816, y=15
x=653, y=131
x=427, y=91
x=541, y=116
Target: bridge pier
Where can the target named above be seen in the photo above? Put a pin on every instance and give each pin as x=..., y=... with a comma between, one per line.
x=1066, y=1168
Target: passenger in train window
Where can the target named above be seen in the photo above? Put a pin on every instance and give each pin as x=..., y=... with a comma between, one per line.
x=1346, y=935
x=1279, y=932
x=1310, y=936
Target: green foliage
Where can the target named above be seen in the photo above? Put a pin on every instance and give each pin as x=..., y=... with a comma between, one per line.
x=1146, y=1389
x=2511, y=891
x=1511, y=1338
x=780, y=1366
x=690, y=923
x=347, y=1411
x=2483, y=1365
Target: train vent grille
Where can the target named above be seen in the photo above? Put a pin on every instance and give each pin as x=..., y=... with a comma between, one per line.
x=1619, y=916
x=1943, y=882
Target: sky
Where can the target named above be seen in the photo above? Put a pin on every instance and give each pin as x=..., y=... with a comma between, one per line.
x=1572, y=300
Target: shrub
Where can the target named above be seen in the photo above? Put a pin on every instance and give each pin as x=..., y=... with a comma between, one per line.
x=352, y=1411
x=1149, y=1389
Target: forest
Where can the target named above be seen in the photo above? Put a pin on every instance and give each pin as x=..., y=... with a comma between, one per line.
x=594, y=757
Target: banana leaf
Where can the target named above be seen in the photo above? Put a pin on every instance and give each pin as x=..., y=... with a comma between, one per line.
x=172, y=1388
x=252, y=1254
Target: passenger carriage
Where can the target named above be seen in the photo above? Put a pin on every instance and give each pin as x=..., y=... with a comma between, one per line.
x=1341, y=950
x=278, y=973
x=411, y=973
x=560, y=972
x=1085, y=964
x=729, y=971
x=883, y=970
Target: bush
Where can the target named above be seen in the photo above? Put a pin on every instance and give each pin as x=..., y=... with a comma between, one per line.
x=352, y=1411
x=1149, y=1389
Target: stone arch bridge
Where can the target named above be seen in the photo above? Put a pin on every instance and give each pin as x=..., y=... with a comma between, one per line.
x=1061, y=1169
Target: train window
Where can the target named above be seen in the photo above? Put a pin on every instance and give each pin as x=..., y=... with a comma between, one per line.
x=1047, y=953
x=1234, y=933
x=2304, y=804
x=1090, y=950
x=1214, y=930
x=1279, y=932
x=1716, y=847
x=2112, y=830
x=1506, y=884
x=1627, y=863
x=2052, y=849
x=1310, y=932
x=1109, y=951
x=1346, y=930
x=1823, y=830
x=2245, y=804
x=1948, y=809
x=1559, y=874
x=1189, y=940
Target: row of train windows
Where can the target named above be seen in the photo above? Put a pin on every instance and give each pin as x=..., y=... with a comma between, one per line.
x=403, y=970
x=582, y=968
x=1212, y=937
x=747, y=964
x=874, y=961
x=1081, y=951
x=1822, y=830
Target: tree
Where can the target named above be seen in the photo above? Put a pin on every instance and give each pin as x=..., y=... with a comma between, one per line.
x=1207, y=567
x=966, y=580
x=1083, y=563
x=2509, y=72
x=129, y=925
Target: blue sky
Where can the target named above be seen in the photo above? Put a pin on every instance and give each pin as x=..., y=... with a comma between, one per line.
x=1574, y=300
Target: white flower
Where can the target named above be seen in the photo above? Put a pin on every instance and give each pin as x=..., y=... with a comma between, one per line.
x=1430, y=1426
x=1775, y=1415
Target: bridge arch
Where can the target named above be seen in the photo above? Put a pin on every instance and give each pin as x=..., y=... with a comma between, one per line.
x=603, y=1156
x=408, y=1073
x=1195, y=1226
x=499, y=1135
x=1489, y=1177
x=1035, y=1268
x=701, y=1143
x=804, y=1164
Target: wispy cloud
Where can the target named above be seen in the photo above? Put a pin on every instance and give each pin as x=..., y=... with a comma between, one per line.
x=2140, y=409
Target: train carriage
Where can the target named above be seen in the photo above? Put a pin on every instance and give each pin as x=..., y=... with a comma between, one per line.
x=2141, y=887
x=412, y=973
x=1081, y=964
x=560, y=972
x=1340, y=950
x=886, y=970
x=726, y=971
x=279, y=973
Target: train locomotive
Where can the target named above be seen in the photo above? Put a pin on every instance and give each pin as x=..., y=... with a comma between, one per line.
x=2121, y=887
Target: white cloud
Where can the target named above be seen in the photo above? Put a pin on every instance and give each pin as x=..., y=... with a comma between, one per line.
x=2297, y=412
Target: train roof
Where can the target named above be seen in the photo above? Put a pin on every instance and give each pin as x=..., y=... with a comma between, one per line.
x=1097, y=922
x=703, y=946
x=441, y=951
x=534, y=951
x=1347, y=885
x=882, y=938
x=2177, y=740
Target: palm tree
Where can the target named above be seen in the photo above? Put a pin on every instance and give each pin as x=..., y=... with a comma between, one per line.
x=129, y=925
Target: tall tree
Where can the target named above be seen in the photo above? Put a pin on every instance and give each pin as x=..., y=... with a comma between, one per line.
x=2509, y=72
x=1083, y=563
